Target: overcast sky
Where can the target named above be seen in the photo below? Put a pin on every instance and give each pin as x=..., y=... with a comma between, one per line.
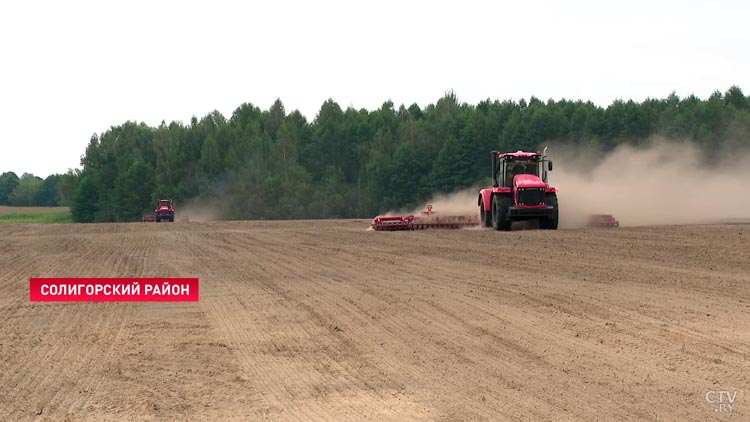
x=71, y=69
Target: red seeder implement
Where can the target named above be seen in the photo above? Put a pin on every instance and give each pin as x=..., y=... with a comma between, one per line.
x=603, y=220
x=426, y=220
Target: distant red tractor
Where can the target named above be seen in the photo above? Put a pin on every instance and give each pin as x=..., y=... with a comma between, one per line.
x=164, y=210
x=519, y=191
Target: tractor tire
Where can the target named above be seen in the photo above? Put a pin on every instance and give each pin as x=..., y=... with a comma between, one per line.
x=500, y=218
x=550, y=223
x=486, y=216
x=171, y=219
x=158, y=220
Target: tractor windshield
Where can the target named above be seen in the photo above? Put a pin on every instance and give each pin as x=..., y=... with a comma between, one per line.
x=520, y=167
x=163, y=204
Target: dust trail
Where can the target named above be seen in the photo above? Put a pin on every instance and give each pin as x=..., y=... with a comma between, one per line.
x=463, y=202
x=198, y=210
x=661, y=183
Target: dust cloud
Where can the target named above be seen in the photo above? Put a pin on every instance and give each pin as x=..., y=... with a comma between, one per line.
x=660, y=183
x=460, y=203
x=198, y=210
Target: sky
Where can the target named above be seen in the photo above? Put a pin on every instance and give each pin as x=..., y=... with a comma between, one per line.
x=71, y=69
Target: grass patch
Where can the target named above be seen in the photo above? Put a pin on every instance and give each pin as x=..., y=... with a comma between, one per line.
x=11, y=215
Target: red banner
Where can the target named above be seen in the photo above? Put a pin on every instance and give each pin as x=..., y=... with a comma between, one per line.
x=113, y=289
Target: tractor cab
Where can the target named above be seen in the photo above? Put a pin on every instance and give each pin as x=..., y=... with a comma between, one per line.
x=506, y=166
x=164, y=203
x=514, y=168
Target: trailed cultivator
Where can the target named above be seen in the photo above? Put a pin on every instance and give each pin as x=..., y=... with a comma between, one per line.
x=428, y=219
x=603, y=220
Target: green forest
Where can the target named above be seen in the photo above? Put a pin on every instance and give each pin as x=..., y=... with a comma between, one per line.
x=274, y=164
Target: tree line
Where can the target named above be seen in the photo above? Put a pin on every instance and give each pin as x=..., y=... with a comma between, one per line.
x=271, y=164
x=33, y=191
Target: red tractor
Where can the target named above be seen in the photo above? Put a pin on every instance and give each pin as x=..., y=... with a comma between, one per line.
x=519, y=191
x=164, y=210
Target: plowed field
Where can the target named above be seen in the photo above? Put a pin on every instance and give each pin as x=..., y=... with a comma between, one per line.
x=323, y=320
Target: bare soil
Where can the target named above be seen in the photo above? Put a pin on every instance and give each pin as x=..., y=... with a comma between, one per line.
x=323, y=320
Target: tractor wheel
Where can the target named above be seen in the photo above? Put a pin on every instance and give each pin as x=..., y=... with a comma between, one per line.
x=171, y=219
x=550, y=223
x=158, y=220
x=500, y=217
x=486, y=216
